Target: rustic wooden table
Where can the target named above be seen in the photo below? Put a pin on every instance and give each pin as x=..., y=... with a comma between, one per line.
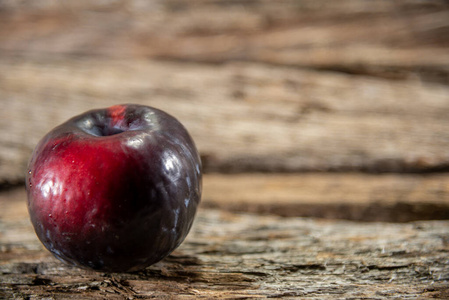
x=322, y=127
x=243, y=255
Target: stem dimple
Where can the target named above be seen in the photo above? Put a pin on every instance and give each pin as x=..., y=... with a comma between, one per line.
x=110, y=130
x=101, y=129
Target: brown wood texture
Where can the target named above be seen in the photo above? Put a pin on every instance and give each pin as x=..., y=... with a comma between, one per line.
x=239, y=256
x=243, y=117
x=395, y=39
x=360, y=197
x=305, y=105
x=262, y=85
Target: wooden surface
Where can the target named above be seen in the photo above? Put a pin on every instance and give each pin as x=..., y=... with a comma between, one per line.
x=261, y=85
x=243, y=255
x=394, y=39
x=350, y=196
x=305, y=113
x=244, y=117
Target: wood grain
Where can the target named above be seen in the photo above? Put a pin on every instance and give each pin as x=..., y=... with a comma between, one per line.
x=281, y=86
x=243, y=117
x=242, y=255
x=360, y=197
x=394, y=39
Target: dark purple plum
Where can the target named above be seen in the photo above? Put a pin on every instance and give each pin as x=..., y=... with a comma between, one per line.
x=114, y=189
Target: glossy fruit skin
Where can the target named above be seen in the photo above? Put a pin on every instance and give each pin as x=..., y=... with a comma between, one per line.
x=114, y=189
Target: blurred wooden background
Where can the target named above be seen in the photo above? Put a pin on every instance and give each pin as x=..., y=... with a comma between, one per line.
x=330, y=109
x=263, y=86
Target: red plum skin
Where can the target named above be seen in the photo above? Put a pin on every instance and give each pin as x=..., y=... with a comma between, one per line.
x=114, y=189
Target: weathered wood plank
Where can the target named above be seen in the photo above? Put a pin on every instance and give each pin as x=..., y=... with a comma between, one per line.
x=362, y=197
x=57, y=60
x=244, y=117
x=242, y=255
x=395, y=39
x=351, y=196
x=270, y=118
